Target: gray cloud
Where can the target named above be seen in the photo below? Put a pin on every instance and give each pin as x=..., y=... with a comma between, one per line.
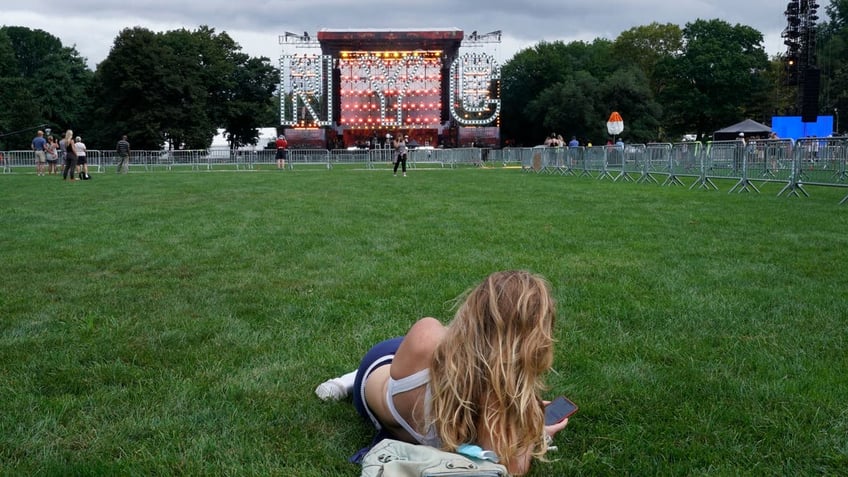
x=91, y=25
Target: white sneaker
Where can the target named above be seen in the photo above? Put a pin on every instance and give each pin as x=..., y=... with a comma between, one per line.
x=331, y=390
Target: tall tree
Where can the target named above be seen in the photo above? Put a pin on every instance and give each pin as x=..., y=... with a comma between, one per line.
x=541, y=87
x=628, y=91
x=717, y=80
x=11, y=87
x=42, y=82
x=646, y=45
x=252, y=100
x=134, y=85
x=177, y=88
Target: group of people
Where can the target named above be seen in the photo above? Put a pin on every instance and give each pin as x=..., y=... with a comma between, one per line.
x=70, y=154
x=556, y=140
x=477, y=380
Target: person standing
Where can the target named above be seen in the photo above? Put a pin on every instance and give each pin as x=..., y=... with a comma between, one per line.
x=739, y=155
x=400, y=153
x=38, y=143
x=61, y=150
x=281, y=145
x=123, y=151
x=52, y=153
x=81, y=161
x=70, y=155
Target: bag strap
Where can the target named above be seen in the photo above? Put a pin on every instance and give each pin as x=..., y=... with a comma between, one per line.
x=360, y=454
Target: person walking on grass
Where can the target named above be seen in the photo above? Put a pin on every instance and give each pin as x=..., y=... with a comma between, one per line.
x=477, y=380
x=123, y=151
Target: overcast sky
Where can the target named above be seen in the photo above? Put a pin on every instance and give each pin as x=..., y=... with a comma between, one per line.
x=92, y=25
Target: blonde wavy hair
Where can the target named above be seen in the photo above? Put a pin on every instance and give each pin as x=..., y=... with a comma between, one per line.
x=488, y=368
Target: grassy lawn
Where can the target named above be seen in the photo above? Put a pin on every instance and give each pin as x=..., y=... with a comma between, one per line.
x=178, y=323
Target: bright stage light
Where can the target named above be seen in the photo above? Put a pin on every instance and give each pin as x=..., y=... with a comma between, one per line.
x=396, y=84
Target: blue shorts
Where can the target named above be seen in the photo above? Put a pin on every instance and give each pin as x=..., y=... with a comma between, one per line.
x=380, y=355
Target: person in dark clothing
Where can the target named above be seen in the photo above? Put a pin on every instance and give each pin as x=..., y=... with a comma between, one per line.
x=70, y=156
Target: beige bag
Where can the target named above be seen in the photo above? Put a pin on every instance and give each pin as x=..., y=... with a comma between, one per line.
x=392, y=458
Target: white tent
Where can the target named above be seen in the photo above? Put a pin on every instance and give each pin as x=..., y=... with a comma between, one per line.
x=265, y=135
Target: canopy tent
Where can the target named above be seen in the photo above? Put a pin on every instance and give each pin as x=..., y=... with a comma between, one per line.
x=749, y=127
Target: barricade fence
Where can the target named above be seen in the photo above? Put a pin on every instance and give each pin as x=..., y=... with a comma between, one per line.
x=809, y=161
x=806, y=162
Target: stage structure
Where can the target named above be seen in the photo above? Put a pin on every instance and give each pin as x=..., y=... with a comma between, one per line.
x=345, y=88
x=802, y=70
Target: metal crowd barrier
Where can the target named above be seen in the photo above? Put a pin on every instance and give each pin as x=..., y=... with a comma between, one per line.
x=806, y=162
x=809, y=161
x=684, y=161
x=657, y=160
x=421, y=157
x=507, y=156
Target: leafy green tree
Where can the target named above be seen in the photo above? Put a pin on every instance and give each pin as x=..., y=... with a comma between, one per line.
x=645, y=46
x=179, y=87
x=553, y=88
x=41, y=82
x=570, y=106
x=571, y=89
x=206, y=63
x=717, y=80
x=523, y=79
x=628, y=91
x=11, y=85
x=252, y=100
x=133, y=86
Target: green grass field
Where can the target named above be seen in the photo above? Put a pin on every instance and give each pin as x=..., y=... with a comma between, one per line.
x=178, y=323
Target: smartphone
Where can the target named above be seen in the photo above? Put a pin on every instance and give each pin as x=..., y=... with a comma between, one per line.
x=559, y=409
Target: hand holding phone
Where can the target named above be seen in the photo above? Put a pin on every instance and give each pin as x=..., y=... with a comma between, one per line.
x=559, y=409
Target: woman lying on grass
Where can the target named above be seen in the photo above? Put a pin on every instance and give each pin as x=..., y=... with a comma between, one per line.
x=476, y=381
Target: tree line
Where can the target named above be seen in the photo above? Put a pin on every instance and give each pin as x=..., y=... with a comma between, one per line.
x=179, y=87
x=666, y=81
x=173, y=88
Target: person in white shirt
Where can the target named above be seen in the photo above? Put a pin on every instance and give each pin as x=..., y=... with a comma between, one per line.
x=82, y=164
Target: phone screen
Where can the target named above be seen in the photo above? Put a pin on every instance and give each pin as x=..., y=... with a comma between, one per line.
x=559, y=409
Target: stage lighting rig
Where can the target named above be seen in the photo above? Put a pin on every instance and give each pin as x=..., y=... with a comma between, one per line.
x=474, y=38
x=299, y=40
x=800, y=61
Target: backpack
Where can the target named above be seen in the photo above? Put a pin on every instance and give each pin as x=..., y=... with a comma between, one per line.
x=392, y=458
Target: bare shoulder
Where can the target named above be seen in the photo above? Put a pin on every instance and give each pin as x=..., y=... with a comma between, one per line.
x=416, y=350
x=427, y=330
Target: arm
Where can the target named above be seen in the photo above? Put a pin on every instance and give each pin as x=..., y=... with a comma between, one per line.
x=416, y=351
x=521, y=462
